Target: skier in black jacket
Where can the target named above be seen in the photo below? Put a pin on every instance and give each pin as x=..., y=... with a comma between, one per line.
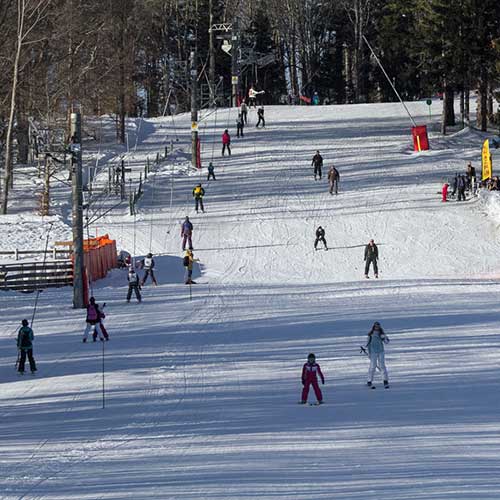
x=371, y=256
x=317, y=162
x=320, y=236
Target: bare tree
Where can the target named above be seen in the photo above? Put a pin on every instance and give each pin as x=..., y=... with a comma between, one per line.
x=29, y=14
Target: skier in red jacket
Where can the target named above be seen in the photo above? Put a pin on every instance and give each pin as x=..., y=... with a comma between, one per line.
x=226, y=142
x=310, y=372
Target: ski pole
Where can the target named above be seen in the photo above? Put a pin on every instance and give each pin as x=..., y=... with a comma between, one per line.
x=364, y=351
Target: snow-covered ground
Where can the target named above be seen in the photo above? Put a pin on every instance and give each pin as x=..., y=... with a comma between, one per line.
x=201, y=394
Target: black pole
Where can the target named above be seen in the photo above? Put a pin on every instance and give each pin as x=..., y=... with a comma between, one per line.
x=103, y=392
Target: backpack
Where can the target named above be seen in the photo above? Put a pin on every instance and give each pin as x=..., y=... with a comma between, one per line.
x=25, y=339
x=92, y=313
x=185, y=261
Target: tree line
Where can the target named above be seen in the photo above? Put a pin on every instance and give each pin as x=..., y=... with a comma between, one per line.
x=131, y=57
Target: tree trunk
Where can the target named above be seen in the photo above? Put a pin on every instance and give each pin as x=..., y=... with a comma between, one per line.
x=22, y=136
x=10, y=126
x=482, y=98
x=448, y=115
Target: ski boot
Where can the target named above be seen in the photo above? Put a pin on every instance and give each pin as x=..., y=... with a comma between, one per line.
x=386, y=384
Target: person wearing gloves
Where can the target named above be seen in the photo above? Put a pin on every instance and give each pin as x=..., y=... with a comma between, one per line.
x=310, y=373
x=25, y=346
x=375, y=345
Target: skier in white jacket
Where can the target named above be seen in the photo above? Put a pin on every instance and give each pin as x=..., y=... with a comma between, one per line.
x=375, y=345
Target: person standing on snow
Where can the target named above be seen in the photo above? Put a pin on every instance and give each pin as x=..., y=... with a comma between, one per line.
x=244, y=111
x=461, y=185
x=333, y=179
x=375, y=345
x=260, y=114
x=188, y=263
x=240, y=124
x=133, y=286
x=198, y=194
x=25, y=346
x=186, y=233
x=320, y=236
x=101, y=325
x=226, y=142
x=148, y=264
x=317, y=162
x=310, y=372
x=454, y=185
x=445, y=192
x=252, y=97
x=371, y=257
x=211, y=172
x=93, y=321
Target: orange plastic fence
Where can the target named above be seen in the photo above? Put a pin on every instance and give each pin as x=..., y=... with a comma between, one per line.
x=99, y=256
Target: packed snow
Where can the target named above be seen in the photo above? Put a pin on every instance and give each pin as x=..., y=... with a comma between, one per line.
x=202, y=383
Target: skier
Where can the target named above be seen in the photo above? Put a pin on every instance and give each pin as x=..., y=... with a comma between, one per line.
x=445, y=192
x=320, y=236
x=101, y=325
x=93, y=321
x=240, y=124
x=260, y=114
x=315, y=99
x=471, y=178
x=186, y=233
x=25, y=347
x=371, y=256
x=310, y=372
x=133, y=285
x=317, y=162
x=375, y=345
x=148, y=264
x=244, y=111
x=188, y=262
x=124, y=259
x=461, y=185
x=454, y=185
x=211, y=172
x=198, y=193
x=226, y=142
x=333, y=179
x=252, y=97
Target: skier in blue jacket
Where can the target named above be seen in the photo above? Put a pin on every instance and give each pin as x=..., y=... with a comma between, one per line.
x=375, y=345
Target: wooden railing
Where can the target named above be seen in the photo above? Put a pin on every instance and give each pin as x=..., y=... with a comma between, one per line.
x=30, y=276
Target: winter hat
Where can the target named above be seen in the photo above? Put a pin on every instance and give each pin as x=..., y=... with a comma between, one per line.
x=311, y=356
x=25, y=322
x=92, y=300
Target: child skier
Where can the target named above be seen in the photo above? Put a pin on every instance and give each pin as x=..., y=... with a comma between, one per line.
x=317, y=163
x=310, y=372
x=211, y=172
x=133, y=285
x=226, y=142
x=320, y=236
x=93, y=320
x=198, y=194
x=240, y=125
x=101, y=325
x=188, y=263
x=25, y=346
x=371, y=257
x=375, y=345
x=148, y=264
x=445, y=192
x=260, y=115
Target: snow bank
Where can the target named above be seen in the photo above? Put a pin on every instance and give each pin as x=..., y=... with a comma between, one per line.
x=490, y=201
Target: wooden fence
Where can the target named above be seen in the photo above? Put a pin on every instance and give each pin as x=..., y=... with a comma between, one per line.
x=30, y=276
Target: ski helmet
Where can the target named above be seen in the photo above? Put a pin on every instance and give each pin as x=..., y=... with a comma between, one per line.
x=311, y=357
x=24, y=322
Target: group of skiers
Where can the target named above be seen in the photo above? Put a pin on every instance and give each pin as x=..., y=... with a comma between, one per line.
x=333, y=173
x=460, y=184
x=242, y=119
x=374, y=349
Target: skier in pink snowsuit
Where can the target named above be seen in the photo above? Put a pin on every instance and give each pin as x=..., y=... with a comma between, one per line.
x=310, y=372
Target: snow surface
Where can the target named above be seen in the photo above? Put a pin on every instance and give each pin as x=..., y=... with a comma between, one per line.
x=201, y=394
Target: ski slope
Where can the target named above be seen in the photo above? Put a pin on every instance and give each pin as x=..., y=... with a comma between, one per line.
x=201, y=393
